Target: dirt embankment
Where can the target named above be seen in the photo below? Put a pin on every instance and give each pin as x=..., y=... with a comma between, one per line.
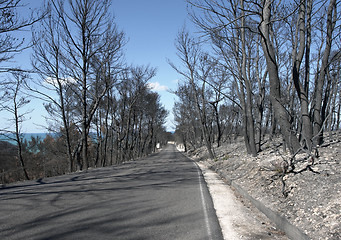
x=309, y=197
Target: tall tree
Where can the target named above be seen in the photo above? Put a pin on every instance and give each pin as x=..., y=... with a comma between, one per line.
x=280, y=112
x=88, y=31
x=292, y=52
x=131, y=90
x=318, y=116
x=195, y=70
x=14, y=103
x=48, y=63
x=301, y=47
x=232, y=34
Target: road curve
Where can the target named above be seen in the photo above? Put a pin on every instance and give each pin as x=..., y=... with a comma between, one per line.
x=162, y=196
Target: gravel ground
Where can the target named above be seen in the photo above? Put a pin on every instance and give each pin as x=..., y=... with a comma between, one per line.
x=309, y=199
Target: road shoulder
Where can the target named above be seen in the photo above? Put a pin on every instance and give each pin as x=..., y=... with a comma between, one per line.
x=237, y=217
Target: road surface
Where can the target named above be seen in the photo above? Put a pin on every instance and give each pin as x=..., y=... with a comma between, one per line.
x=163, y=196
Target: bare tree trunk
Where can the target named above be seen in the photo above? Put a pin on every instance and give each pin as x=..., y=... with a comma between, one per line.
x=338, y=114
x=317, y=114
x=67, y=134
x=18, y=102
x=245, y=121
x=250, y=122
x=84, y=125
x=260, y=103
x=297, y=57
x=19, y=140
x=250, y=128
x=332, y=101
x=217, y=119
x=193, y=59
x=281, y=113
x=106, y=122
x=202, y=116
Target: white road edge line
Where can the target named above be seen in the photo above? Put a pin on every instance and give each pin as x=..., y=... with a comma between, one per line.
x=203, y=201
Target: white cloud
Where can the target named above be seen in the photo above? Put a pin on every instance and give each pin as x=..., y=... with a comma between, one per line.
x=157, y=87
x=53, y=81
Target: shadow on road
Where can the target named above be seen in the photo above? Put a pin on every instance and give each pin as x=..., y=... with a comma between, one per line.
x=151, y=198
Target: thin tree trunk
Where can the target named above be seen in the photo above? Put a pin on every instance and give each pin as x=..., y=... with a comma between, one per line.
x=250, y=128
x=219, y=130
x=302, y=90
x=84, y=132
x=19, y=152
x=202, y=120
x=17, y=129
x=260, y=103
x=106, y=130
x=317, y=114
x=338, y=114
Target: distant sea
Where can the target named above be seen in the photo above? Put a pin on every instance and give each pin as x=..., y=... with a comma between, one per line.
x=27, y=137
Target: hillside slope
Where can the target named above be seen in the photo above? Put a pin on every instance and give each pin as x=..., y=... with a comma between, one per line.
x=309, y=197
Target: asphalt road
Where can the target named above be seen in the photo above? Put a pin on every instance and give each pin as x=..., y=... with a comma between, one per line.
x=163, y=196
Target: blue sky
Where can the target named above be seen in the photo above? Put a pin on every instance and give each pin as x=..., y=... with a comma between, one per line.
x=151, y=27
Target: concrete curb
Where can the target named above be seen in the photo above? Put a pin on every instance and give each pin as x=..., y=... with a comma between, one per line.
x=281, y=222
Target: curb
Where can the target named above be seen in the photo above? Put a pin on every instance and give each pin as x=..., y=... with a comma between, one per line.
x=281, y=222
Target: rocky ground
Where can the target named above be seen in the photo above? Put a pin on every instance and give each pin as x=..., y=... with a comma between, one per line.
x=309, y=196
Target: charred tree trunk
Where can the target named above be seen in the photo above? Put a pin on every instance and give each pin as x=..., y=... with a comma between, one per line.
x=317, y=111
x=281, y=114
x=303, y=89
